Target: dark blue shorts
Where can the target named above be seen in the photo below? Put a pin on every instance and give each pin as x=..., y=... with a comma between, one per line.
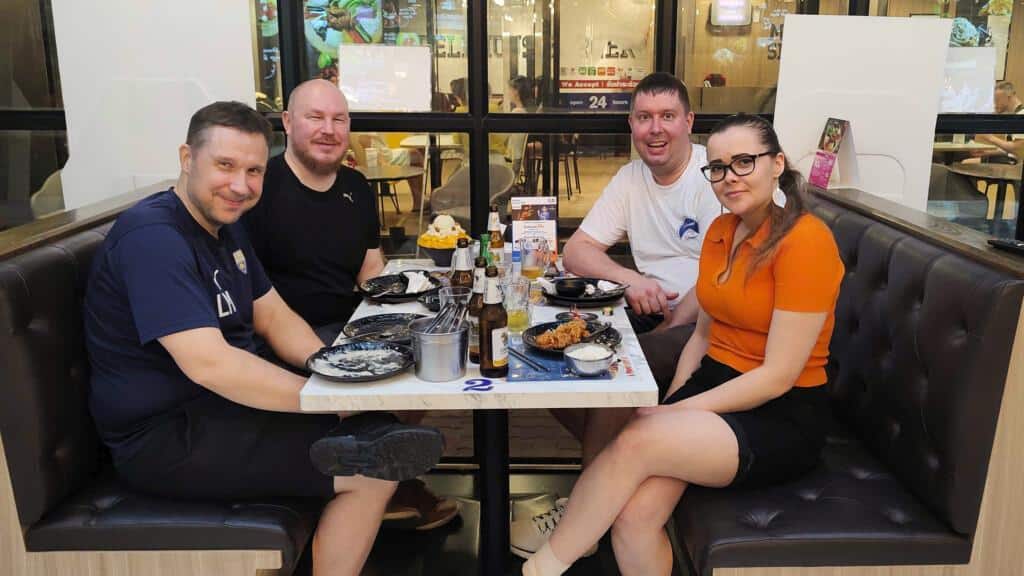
x=213, y=448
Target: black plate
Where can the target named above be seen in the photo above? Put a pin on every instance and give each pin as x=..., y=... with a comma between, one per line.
x=362, y=361
x=556, y=300
x=598, y=299
x=610, y=337
x=374, y=287
x=395, y=327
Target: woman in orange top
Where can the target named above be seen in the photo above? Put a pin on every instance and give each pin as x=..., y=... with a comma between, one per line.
x=747, y=405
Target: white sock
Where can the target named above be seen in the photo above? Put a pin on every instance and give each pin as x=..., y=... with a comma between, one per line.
x=544, y=563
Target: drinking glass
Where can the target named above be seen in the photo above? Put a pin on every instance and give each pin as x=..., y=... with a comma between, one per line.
x=536, y=254
x=516, y=298
x=454, y=295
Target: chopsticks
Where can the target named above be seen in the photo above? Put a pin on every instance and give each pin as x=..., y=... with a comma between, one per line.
x=527, y=360
x=448, y=319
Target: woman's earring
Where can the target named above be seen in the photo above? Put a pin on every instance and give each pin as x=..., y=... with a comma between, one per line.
x=779, y=197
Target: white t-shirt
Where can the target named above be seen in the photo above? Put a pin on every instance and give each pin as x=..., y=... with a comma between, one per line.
x=665, y=225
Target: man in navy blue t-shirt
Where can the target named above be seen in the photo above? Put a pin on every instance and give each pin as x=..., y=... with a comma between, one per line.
x=174, y=299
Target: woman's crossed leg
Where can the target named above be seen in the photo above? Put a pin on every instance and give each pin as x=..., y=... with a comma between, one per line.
x=689, y=446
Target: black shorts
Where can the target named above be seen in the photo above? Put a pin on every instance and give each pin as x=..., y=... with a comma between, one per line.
x=212, y=448
x=779, y=440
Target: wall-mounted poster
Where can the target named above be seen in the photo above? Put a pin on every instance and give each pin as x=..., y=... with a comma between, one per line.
x=333, y=23
x=604, y=50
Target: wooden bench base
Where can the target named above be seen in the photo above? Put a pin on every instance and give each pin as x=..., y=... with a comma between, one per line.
x=999, y=542
x=15, y=561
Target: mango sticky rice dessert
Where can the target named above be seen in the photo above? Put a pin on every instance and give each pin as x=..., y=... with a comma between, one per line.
x=440, y=237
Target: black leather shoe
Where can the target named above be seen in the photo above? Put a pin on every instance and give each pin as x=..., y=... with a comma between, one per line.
x=377, y=445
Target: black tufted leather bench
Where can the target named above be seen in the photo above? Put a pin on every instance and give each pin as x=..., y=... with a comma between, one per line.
x=62, y=495
x=919, y=358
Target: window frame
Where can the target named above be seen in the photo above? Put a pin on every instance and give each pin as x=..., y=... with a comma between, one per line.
x=479, y=123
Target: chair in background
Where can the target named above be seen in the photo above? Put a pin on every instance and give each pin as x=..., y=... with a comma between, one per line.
x=453, y=197
x=567, y=147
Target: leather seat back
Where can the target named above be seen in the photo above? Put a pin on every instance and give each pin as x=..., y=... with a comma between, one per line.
x=919, y=358
x=50, y=442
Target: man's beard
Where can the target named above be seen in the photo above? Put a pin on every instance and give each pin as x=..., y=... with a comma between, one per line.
x=317, y=166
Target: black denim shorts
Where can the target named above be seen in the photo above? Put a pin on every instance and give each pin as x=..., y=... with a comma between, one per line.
x=779, y=440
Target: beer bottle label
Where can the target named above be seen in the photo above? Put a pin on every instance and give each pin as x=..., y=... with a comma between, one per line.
x=499, y=346
x=474, y=332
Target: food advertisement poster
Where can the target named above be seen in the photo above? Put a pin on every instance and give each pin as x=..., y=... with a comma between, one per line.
x=329, y=24
x=535, y=216
x=828, y=149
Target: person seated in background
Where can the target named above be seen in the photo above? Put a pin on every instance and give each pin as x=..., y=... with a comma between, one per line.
x=1010, y=147
x=518, y=99
x=497, y=144
x=747, y=406
x=174, y=298
x=664, y=207
x=316, y=232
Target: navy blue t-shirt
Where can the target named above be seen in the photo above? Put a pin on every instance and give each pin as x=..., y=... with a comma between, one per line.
x=157, y=273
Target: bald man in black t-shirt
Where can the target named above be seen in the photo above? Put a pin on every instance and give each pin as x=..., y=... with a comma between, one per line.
x=316, y=227
x=315, y=230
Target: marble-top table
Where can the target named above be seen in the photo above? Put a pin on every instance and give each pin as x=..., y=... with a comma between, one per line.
x=407, y=392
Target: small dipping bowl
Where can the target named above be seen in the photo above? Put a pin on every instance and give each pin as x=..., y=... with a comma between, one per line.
x=571, y=287
x=588, y=367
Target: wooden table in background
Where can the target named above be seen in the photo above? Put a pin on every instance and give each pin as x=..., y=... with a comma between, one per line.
x=1001, y=175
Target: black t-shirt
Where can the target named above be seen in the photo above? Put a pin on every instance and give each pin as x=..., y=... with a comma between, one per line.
x=312, y=244
x=157, y=273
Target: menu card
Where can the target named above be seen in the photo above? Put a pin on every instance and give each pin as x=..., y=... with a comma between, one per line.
x=828, y=150
x=534, y=216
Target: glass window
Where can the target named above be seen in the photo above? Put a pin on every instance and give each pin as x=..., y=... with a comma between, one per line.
x=573, y=55
x=267, y=55
x=29, y=77
x=976, y=182
x=728, y=50
x=575, y=166
x=400, y=167
x=387, y=55
x=30, y=164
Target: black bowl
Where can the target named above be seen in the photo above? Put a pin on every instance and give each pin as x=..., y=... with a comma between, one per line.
x=440, y=256
x=570, y=287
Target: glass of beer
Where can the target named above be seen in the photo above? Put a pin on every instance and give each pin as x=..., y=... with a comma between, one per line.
x=536, y=254
x=516, y=299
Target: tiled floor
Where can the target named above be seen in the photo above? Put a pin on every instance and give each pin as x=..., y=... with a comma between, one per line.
x=452, y=549
x=532, y=434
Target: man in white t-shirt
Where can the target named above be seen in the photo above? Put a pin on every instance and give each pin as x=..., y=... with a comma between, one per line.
x=664, y=206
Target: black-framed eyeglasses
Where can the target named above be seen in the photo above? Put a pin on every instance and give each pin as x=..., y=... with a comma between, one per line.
x=741, y=165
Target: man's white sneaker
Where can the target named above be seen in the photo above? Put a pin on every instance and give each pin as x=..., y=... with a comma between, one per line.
x=529, y=532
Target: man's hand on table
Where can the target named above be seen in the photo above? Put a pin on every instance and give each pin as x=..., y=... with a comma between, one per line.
x=646, y=296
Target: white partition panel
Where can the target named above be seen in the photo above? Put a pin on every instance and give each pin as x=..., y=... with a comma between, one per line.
x=883, y=75
x=132, y=73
